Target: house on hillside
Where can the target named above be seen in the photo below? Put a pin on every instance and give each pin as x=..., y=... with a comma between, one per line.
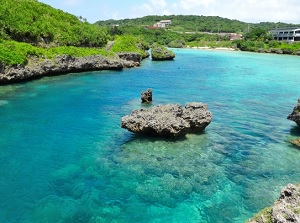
x=234, y=36
x=286, y=34
x=163, y=23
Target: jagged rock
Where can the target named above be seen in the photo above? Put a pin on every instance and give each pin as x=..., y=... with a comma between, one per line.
x=146, y=96
x=197, y=115
x=168, y=120
x=296, y=142
x=285, y=210
x=295, y=115
x=161, y=53
x=130, y=59
x=64, y=64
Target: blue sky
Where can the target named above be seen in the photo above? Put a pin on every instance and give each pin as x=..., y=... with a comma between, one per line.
x=244, y=10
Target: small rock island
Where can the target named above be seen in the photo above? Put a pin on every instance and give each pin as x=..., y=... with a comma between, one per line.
x=171, y=120
x=161, y=53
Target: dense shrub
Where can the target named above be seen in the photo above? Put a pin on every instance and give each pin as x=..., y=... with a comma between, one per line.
x=34, y=22
x=13, y=52
x=128, y=43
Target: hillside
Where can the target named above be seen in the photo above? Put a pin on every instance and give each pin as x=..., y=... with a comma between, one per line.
x=193, y=23
x=37, y=40
x=34, y=22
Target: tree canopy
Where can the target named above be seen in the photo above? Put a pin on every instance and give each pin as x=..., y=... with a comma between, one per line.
x=194, y=23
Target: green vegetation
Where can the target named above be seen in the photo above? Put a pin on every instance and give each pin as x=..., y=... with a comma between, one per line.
x=258, y=40
x=161, y=53
x=13, y=53
x=29, y=28
x=193, y=23
x=128, y=43
x=38, y=30
x=200, y=31
x=265, y=213
x=34, y=22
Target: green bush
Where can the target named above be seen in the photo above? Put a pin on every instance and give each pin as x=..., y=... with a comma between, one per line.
x=34, y=22
x=128, y=43
x=13, y=53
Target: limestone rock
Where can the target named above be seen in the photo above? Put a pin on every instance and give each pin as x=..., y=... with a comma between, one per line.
x=146, y=96
x=168, y=120
x=161, y=53
x=296, y=142
x=65, y=64
x=295, y=115
x=285, y=210
x=197, y=115
x=130, y=59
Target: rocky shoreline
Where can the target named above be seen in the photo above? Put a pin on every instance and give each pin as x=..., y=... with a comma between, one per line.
x=62, y=64
x=285, y=210
x=268, y=51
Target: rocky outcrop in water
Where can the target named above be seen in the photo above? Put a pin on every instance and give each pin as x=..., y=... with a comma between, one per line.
x=161, y=53
x=295, y=115
x=285, y=210
x=146, y=96
x=37, y=68
x=168, y=120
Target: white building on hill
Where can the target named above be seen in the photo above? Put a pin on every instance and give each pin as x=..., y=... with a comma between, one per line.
x=286, y=34
x=163, y=23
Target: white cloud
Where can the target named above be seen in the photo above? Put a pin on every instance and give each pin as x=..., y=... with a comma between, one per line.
x=152, y=7
x=191, y=4
x=244, y=10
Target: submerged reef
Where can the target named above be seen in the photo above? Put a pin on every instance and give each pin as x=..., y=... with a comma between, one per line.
x=168, y=120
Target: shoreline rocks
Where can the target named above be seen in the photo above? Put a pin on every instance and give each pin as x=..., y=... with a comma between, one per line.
x=62, y=64
x=285, y=210
x=295, y=115
x=168, y=120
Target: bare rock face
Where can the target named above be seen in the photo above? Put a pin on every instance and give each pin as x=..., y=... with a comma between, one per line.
x=285, y=210
x=295, y=115
x=146, y=96
x=168, y=120
x=197, y=115
x=65, y=64
x=130, y=59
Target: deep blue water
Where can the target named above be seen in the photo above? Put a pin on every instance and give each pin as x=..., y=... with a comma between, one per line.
x=64, y=157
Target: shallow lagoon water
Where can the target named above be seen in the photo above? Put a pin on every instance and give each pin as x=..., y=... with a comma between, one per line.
x=64, y=157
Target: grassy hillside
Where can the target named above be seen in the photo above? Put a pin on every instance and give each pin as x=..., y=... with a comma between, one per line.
x=34, y=22
x=29, y=28
x=193, y=23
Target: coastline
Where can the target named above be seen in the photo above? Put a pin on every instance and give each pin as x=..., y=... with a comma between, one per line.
x=212, y=48
x=63, y=64
x=269, y=51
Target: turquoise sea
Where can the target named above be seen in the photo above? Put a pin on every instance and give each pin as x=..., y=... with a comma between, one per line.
x=64, y=157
